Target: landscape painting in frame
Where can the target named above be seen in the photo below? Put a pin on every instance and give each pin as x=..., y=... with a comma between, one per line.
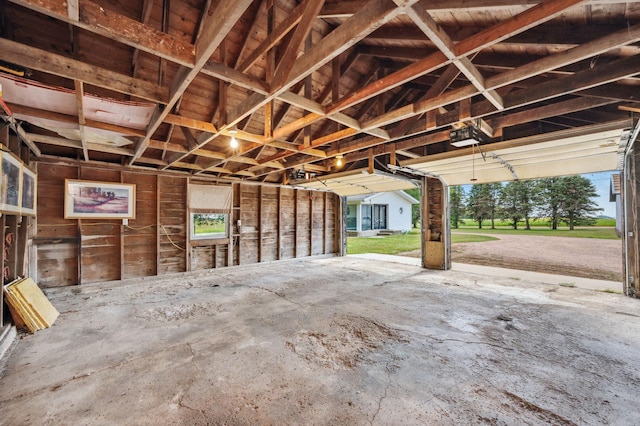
x=28, y=192
x=10, y=196
x=99, y=200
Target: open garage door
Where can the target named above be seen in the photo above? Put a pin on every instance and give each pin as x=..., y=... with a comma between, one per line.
x=598, y=149
x=358, y=182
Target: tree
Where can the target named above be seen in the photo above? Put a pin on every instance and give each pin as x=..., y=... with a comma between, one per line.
x=510, y=203
x=456, y=205
x=415, y=209
x=518, y=201
x=479, y=203
x=494, y=194
x=551, y=195
x=578, y=206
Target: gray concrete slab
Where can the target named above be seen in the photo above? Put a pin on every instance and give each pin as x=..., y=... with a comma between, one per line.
x=328, y=341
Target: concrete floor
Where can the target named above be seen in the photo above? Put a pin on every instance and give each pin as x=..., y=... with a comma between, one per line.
x=329, y=341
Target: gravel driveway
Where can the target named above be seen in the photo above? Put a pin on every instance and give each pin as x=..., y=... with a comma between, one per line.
x=580, y=257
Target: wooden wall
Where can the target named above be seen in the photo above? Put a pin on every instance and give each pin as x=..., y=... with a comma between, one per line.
x=275, y=223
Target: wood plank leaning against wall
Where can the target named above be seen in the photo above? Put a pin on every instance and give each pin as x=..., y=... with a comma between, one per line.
x=275, y=223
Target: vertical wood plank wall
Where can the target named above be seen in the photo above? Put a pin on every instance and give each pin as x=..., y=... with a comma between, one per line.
x=275, y=223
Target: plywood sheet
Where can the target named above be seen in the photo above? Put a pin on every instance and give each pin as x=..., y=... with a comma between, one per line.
x=30, y=304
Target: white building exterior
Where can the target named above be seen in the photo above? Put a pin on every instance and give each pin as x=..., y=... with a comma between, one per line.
x=369, y=214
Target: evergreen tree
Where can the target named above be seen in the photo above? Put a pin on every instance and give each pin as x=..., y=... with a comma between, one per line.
x=518, y=200
x=551, y=196
x=479, y=203
x=510, y=206
x=494, y=196
x=578, y=206
x=456, y=205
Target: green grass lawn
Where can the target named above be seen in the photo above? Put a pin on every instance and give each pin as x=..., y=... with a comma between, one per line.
x=394, y=244
x=210, y=229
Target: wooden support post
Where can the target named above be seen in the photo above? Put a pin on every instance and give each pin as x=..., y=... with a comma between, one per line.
x=187, y=246
x=392, y=155
x=341, y=225
x=295, y=227
x=260, y=234
x=325, y=223
x=311, y=197
x=121, y=246
x=10, y=248
x=21, y=245
x=2, y=265
x=158, y=225
x=431, y=119
x=240, y=221
x=371, y=163
x=435, y=233
x=79, y=251
x=632, y=219
x=279, y=225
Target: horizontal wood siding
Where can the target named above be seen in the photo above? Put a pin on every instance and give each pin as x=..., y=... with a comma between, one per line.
x=203, y=257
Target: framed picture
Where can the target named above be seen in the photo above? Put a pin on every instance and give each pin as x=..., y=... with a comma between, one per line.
x=10, y=187
x=99, y=200
x=29, y=187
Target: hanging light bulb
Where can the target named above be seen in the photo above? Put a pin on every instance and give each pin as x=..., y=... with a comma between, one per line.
x=339, y=160
x=233, y=143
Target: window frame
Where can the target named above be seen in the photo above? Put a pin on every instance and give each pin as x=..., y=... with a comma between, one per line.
x=211, y=235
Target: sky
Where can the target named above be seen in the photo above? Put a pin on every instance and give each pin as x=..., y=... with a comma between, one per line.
x=602, y=182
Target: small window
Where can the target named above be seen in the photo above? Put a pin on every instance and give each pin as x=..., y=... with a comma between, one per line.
x=209, y=225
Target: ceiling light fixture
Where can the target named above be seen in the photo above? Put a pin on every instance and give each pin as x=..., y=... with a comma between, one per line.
x=339, y=160
x=233, y=143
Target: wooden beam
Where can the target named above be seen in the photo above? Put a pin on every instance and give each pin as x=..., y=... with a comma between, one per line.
x=179, y=120
x=492, y=35
x=218, y=25
x=95, y=18
x=50, y=115
x=294, y=44
x=350, y=32
x=50, y=63
x=273, y=38
x=543, y=12
x=560, y=108
x=80, y=109
x=593, y=48
x=443, y=42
